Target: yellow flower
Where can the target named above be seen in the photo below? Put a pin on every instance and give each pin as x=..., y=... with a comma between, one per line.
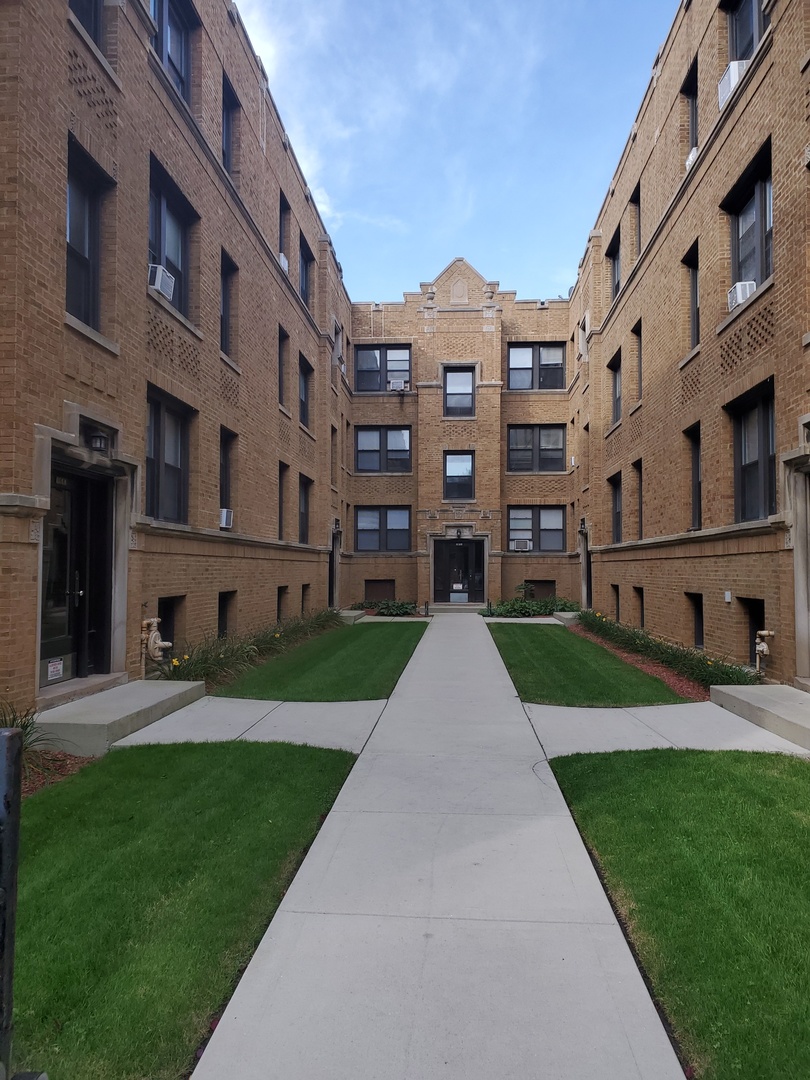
x=185, y=657
x=276, y=635
x=709, y=663
x=599, y=614
x=175, y=662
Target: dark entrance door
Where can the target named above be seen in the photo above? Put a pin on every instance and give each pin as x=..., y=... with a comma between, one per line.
x=458, y=572
x=76, y=578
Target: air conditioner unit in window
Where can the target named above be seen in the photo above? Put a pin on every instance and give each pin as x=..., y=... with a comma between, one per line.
x=161, y=279
x=225, y=519
x=400, y=385
x=285, y=262
x=690, y=161
x=731, y=76
x=739, y=292
x=521, y=545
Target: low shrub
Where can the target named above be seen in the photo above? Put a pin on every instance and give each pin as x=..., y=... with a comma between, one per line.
x=395, y=608
x=525, y=609
x=219, y=659
x=693, y=663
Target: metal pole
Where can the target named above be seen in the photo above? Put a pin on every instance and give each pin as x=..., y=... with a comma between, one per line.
x=10, y=787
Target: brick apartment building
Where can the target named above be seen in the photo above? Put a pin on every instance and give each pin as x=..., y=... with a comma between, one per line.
x=196, y=422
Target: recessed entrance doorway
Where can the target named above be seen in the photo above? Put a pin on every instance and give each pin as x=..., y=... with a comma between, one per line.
x=458, y=571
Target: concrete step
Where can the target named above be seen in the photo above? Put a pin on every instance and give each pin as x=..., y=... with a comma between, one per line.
x=784, y=710
x=89, y=726
x=456, y=609
x=350, y=617
x=802, y=684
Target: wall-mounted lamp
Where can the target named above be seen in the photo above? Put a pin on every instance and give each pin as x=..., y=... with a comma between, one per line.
x=458, y=534
x=582, y=530
x=99, y=441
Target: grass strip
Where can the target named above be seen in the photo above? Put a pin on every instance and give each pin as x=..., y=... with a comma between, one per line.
x=146, y=883
x=705, y=855
x=552, y=666
x=352, y=663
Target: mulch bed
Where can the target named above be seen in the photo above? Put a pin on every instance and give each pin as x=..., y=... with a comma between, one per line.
x=680, y=684
x=41, y=768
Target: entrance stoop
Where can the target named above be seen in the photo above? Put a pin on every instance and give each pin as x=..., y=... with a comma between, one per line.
x=784, y=710
x=89, y=726
x=457, y=609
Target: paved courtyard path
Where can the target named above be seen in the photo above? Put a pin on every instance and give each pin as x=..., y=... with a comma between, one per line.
x=447, y=921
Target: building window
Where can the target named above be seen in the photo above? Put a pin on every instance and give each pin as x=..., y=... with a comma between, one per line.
x=750, y=208
x=304, y=384
x=639, y=591
x=304, y=489
x=638, y=469
x=615, y=368
x=539, y=448
x=616, y=508
x=175, y=20
x=283, y=473
x=614, y=255
x=746, y=25
x=689, y=94
x=227, y=290
x=383, y=449
x=617, y=610
x=167, y=458
x=635, y=202
x=283, y=364
x=85, y=187
x=306, y=263
x=459, y=391
x=281, y=602
x=227, y=446
x=543, y=527
x=230, y=122
x=459, y=475
x=377, y=366
x=226, y=613
x=170, y=220
x=89, y=12
x=636, y=331
x=696, y=602
x=383, y=528
x=754, y=454
x=693, y=435
x=537, y=367
x=690, y=262
x=284, y=214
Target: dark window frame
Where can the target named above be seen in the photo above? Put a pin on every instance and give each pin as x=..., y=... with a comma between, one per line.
x=689, y=92
x=385, y=534
x=283, y=474
x=158, y=471
x=230, y=118
x=696, y=476
x=227, y=446
x=166, y=201
x=536, y=450
x=615, y=368
x=742, y=42
x=90, y=14
x=696, y=603
x=306, y=261
x=638, y=468
x=382, y=373
x=459, y=409
x=544, y=376
x=83, y=267
x=753, y=191
x=635, y=202
x=636, y=332
x=386, y=463
x=304, y=500
x=449, y=483
x=305, y=372
x=181, y=16
x=227, y=286
x=284, y=219
x=754, y=479
x=691, y=261
x=615, y=482
x=613, y=252
x=539, y=534
x=283, y=364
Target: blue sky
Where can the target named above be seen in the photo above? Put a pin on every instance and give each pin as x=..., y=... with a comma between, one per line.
x=458, y=127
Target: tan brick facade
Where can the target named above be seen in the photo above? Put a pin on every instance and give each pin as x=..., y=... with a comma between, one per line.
x=109, y=110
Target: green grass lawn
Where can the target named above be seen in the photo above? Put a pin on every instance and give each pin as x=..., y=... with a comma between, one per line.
x=549, y=664
x=706, y=856
x=352, y=663
x=146, y=882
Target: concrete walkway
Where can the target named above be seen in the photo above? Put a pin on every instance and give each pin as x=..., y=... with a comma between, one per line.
x=447, y=921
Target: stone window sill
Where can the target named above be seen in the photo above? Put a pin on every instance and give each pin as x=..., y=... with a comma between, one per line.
x=93, y=335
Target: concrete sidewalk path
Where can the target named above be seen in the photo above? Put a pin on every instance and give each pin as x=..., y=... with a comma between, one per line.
x=447, y=921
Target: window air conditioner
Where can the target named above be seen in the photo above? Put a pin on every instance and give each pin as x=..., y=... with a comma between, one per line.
x=399, y=385
x=731, y=76
x=739, y=292
x=161, y=279
x=225, y=519
x=690, y=161
x=285, y=262
x=521, y=545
